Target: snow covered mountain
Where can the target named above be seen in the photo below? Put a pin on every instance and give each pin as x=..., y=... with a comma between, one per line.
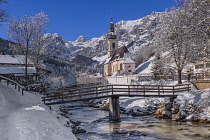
x=135, y=34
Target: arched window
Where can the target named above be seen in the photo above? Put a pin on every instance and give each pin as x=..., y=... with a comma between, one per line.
x=113, y=46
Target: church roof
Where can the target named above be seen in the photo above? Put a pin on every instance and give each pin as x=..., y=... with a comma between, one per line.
x=128, y=61
x=119, y=53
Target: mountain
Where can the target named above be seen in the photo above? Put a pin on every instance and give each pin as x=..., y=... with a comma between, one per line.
x=135, y=34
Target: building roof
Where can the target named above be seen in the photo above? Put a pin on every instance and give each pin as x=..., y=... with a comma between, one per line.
x=17, y=70
x=14, y=59
x=119, y=53
x=116, y=74
x=128, y=61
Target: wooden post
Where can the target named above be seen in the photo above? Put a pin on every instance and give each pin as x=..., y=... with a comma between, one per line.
x=188, y=88
x=22, y=91
x=0, y=80
x=97, y=91
x=159, y=90
x=144, y=89
x=15, y=86
x=44, y=100
x=114, y=108
x=7, y=82
x=173, y=90
x=19, y=88
x=129, y=90
x=62, y=96
x=137, y=89
x=163, y=90
x=112, y=90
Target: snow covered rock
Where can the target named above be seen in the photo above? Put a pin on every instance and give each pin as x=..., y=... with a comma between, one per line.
x=81, y=39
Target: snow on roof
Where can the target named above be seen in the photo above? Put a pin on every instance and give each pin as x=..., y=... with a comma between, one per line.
x=16, y=70
x=13, y=59
x=145, y=67
x=128, y=61
x=116, y=74
x=108, y=60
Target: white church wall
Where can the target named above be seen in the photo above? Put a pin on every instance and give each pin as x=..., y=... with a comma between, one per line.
x=122, y=79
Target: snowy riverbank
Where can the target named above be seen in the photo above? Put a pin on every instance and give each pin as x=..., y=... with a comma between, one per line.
x=27, y=118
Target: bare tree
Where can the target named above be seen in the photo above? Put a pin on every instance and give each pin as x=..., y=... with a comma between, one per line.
x=198, y=14
x=26, y=29
x=173, y=38
x=37, y=49
x=3, y=13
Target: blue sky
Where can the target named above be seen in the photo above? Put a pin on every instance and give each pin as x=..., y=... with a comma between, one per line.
x=72, y=18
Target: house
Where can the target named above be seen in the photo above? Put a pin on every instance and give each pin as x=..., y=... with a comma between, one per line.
x=119, y=60
x=14, y=66
x=202, y=69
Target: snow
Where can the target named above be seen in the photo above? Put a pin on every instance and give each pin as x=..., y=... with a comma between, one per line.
x=145, y=67
x=101, y=58
x=199, y=98
x=27, y=118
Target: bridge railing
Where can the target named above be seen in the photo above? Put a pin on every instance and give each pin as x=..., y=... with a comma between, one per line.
x=16, y=84
x=78, y=94
x=149, y=89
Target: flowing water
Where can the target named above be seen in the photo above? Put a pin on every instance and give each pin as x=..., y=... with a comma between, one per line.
x=95, y=121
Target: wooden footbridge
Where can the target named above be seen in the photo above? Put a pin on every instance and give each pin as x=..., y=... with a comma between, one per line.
x=113, y=92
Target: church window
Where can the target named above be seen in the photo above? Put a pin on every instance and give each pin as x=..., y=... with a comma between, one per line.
x=113, y=46
x=129, y=70
x=129, y=66
x=121, y=66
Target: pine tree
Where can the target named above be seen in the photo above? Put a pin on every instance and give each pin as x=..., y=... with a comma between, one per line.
x=158, y=69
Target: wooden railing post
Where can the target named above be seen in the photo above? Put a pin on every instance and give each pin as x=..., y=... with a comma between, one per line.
x=7, y=82
x=112, y=90
x=97, y=91
x=159, y=90
x=44, y=100
x=15, y=86
x=129, y=90
x=144, y=89
x=0, y=80
x=188, y=88
x=163, y=90
x=62, y=96
x=22, y=91
x=19, y=88
x=173, y=90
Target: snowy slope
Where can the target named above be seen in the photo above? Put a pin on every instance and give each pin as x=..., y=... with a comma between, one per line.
x=27, y=118
x=145, y=67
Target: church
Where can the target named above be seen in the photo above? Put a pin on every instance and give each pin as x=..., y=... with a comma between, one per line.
x=119, y=62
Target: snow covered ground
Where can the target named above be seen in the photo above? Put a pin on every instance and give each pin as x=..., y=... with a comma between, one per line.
x=27, y=118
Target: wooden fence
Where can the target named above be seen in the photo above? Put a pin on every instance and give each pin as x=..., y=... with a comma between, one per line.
x=94, y=92
x=9, y=81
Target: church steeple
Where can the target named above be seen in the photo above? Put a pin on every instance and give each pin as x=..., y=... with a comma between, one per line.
x=111, y=34
x=112, y=40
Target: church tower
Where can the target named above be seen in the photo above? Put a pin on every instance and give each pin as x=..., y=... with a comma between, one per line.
x=112, y=40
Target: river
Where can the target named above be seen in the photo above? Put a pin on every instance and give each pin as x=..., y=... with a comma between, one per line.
x=95, y=121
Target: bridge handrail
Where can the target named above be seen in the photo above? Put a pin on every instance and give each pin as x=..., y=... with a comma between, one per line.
x=74, y=89
x=110, y=90
x=13, y=82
